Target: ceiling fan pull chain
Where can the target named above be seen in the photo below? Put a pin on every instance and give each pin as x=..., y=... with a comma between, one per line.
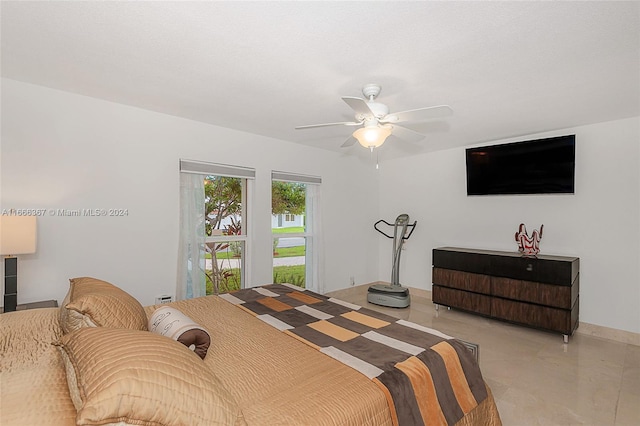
x=377, y=156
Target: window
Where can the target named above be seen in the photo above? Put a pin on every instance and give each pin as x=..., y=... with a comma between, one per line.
x=213, y=232
x=225, y=241
x=295, y=223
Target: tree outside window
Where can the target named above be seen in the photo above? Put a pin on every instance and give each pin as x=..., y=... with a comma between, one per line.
x=225, y=242
x=288, y=199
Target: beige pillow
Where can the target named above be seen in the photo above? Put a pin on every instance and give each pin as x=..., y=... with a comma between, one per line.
x=142, y=378
x=91, y=302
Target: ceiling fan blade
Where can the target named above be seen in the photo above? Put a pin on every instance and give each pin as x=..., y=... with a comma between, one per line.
x=406, y=134
x=418, y=114
x=359, y=105
x=341, y=123
x=349, y=142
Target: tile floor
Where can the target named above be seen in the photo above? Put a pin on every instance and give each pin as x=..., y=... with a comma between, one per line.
x=535, y=378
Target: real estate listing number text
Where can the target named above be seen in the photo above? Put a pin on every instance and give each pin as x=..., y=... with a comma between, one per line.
x=66, y=212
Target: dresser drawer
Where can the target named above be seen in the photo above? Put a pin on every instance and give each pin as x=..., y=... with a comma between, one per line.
x=559, y=270
x=477, y=263
x=549, y=318
x=460, y=299
x=533, y=269
x=462, y=280
x=527, y=291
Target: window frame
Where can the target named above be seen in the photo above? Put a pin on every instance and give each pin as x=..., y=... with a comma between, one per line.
x=244, y=234
x=310, y=256
x=247, y=176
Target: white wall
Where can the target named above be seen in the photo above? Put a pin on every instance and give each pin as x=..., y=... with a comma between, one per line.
x=64, y=151
x=60, y=150
x=600, y=223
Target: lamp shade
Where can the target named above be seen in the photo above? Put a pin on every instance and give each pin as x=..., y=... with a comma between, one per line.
x=17, y=235
x=372, y=137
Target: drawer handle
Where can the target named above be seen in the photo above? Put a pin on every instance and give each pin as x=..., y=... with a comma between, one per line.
x=529, y=267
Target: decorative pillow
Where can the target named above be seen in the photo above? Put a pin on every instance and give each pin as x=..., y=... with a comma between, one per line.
x=91, y=302
x=172, y=323
x=141, y=378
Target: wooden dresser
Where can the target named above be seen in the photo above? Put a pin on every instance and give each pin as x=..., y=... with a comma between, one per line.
x=540, y=292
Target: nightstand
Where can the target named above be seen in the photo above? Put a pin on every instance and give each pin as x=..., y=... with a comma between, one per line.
x=35, y=305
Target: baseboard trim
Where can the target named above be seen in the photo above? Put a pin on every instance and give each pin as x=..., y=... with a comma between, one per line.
x=621, y=336
x=420, y=292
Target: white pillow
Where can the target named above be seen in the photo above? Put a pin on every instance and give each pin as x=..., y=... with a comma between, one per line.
x=172, y=323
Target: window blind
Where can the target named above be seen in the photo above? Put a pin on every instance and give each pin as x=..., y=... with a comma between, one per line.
x=294, y=177
x=204, y=168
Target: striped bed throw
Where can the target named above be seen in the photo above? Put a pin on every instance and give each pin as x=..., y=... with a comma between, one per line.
x=429, y=378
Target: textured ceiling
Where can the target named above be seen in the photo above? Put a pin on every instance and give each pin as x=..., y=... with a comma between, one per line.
x=506, y=68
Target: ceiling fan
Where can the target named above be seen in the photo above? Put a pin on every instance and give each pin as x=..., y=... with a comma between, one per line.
x=378, y=124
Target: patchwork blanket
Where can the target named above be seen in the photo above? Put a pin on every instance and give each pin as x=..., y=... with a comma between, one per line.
x=427, y=376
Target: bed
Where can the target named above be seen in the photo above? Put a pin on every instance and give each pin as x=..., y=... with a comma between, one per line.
x=105, y=370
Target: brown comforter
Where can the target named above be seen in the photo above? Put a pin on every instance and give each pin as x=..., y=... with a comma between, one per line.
x=276, y=379
x=427, y=377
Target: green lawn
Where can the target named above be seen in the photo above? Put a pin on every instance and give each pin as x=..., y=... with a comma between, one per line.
x=280, y=252
x=227, y=254
x=290, y=230
x=281, y=274
x=289, y=274
x=289, y=251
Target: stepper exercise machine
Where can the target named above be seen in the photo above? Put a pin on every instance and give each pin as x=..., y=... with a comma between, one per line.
x=393, y=295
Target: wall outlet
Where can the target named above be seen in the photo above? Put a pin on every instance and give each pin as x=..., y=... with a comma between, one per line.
x=352, y=280
x=164, y=298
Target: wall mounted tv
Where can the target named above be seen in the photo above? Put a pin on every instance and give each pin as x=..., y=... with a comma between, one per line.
x=542, y=166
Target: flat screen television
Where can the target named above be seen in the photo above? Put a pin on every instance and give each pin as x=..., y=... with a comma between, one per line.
x=542, y=166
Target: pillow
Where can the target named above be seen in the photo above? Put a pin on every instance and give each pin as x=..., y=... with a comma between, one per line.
x=137, y=377
x=175, y=325
x=95, y=303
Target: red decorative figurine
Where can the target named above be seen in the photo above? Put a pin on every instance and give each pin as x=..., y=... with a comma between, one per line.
x=528, y=246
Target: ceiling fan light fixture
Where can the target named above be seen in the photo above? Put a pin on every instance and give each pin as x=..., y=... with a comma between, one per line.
x=372, y=137
x=378, y=123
